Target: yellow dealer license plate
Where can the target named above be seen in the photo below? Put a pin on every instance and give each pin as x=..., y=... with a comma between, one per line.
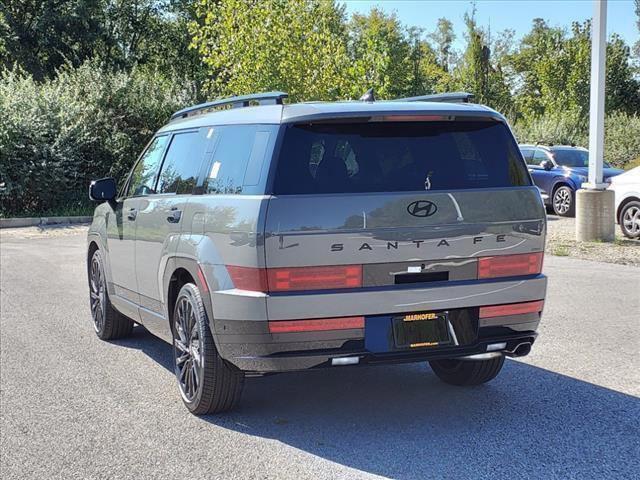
x=419, y=330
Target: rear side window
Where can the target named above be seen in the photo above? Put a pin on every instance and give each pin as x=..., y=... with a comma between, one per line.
x=527, y=153
x=143, y=176
x=238, y=158
x=182, y=163
x=539, y=156
x=397, y=157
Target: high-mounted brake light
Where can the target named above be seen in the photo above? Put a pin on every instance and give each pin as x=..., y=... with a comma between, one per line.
x=511, y=309
x=316, y=324
x=296, y=278
x=413, y=118
x=510, y=265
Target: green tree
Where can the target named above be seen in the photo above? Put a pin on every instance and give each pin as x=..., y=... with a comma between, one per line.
x=426, y=74
x=443, y=37
x=477, y=72
x=297, y=46
x=553, y=72
x=622, y=87
x=382, y=55
x=41, y=35
x=636, y=46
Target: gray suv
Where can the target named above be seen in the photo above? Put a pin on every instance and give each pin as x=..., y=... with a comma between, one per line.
x=258, y=237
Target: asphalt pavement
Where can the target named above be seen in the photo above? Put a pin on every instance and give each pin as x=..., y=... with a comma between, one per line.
x=72, y=406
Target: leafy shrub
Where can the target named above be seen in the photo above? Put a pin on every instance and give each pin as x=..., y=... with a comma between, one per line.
x=622, y=140
x=622, y=135
x=566, y=128
x=87, y=123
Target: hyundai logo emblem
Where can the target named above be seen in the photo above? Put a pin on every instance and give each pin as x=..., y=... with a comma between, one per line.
x=422, y=208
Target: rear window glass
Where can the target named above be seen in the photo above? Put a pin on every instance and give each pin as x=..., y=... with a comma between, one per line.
x=397, y=157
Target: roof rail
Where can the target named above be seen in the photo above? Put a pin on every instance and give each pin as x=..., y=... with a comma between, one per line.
x=266, y=98
x=452, y=97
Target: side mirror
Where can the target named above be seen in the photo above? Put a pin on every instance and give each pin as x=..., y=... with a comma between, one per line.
x=547, y=164
x=103, y=190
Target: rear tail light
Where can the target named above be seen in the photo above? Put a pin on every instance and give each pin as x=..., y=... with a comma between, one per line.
x=297, y=278
x=316, y=324
x=511, y=309
x=510, y=265
x=314, y=278
x=248, y=278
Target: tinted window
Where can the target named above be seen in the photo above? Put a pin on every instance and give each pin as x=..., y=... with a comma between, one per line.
x=398, y=156
x=143, y=177
x=527, y=153
x=240, y=151
x=182, y=163
x=572, y=157
x=539, y=156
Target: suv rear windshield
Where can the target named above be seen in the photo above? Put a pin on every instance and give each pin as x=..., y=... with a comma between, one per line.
x=397, y=157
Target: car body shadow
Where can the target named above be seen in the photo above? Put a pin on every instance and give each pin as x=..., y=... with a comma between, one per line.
x=401, y=422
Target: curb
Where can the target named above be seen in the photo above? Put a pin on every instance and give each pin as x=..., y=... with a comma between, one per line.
x=41, y=221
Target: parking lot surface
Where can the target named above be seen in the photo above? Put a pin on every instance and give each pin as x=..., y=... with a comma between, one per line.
x=72, y=406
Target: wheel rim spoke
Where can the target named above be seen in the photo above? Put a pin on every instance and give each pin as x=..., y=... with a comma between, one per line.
x=97, y=294
x=631, y=220
x=187, y=345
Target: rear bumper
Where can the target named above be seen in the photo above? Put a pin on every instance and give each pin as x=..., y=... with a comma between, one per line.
x=295, y=360
x=247, y=343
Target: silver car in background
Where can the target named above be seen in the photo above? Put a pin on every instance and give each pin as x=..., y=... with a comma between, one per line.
x=271, y=237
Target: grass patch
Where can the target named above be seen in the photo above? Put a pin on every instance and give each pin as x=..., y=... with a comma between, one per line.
x=560, y=251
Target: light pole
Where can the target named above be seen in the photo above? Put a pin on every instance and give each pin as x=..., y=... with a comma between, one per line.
x=595, y=216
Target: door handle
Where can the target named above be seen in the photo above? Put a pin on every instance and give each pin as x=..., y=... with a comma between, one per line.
x=133, y=213
x=174, y=215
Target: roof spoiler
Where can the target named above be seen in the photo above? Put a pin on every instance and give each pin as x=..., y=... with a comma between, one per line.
x=451, y=97
x=266, y=98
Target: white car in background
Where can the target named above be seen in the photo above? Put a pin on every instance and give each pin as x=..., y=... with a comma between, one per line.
x=626, y=187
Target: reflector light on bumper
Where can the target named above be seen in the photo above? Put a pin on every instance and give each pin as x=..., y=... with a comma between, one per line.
x=511, y=309
x=316, y=324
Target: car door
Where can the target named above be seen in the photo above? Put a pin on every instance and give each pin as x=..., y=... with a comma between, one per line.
x=160, y=221
x=541, y=177
x=121, y=227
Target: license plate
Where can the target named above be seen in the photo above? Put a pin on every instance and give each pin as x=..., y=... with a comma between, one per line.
x=419, y=330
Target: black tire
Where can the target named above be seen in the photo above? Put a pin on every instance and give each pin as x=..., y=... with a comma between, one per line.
x=108, y=323
x=629, y=219
x=207, y=383
x=467, y=372
x=563, y=201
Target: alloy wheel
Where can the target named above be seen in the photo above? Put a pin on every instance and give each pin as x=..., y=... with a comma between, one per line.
x=631, y=221
x=97, y=292
x=562, y=200
x=187, y=349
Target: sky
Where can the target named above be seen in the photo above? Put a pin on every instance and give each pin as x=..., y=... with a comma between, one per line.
x=503, y=14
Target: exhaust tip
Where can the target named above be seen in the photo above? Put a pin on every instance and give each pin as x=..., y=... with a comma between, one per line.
x=522, y=349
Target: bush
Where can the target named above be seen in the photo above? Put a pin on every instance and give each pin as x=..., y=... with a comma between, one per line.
x=566, y=128
x=622, y=140
x=87, y=123
x=621, y=143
